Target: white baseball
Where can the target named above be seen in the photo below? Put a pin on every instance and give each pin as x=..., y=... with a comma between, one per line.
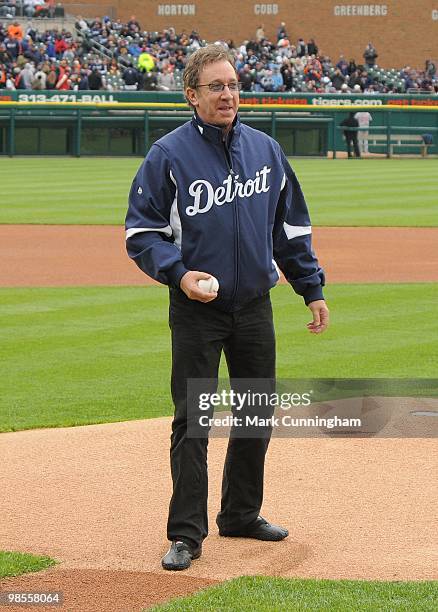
x=209, y=285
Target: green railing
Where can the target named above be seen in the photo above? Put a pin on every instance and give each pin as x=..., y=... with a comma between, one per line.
x=26, y=128
x=129, y=128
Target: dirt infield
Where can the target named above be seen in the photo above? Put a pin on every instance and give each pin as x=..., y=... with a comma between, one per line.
x=38, y=255
x=103, y=590
x=95, y=497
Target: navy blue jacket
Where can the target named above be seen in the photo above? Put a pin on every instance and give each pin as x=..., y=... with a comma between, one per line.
x=233, y=209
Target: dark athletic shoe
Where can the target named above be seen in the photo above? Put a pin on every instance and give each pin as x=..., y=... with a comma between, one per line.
x=260, y=530
x=179, y=556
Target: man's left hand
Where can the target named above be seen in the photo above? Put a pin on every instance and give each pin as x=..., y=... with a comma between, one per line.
x=320, y=317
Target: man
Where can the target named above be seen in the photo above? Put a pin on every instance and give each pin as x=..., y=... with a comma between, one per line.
x=95, y=80
x=246, y=78
x=370, y=55
x=30, y=7
x=215, y=197
x=351, y=124
x=364, y=119
x=301, y=48
x=288, y=75
x=130, y=77
x=15, y=30
x=166, y=80
x=337, y=79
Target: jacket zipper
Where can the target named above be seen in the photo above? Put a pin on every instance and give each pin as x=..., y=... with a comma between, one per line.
x=229, y=161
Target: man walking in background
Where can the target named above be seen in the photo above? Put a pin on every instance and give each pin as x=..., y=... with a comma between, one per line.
x=364, y=119
x=351, y=125
x=218, y=198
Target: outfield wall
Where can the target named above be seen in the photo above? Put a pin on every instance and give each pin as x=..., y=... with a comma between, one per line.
x=323, y=100
x=129, y=128
x=403, y=32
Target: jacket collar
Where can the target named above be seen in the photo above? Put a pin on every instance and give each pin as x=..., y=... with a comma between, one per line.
x=213, y=133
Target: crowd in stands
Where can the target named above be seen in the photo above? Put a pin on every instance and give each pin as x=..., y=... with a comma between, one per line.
x=30, y=8
x=111, y=55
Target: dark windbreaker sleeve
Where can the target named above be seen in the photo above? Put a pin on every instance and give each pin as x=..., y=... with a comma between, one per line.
x=149, y=235
x=292, y=240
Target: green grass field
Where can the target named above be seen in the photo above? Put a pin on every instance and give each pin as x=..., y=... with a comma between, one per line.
x=395, y=192
x=89, y=355
x=73, y=356
x=16, y=563
x=260, y=594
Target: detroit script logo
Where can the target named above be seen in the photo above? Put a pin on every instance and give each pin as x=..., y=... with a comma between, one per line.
x=205, y=195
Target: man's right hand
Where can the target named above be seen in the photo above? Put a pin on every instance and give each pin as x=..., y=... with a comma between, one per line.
x=189, y=284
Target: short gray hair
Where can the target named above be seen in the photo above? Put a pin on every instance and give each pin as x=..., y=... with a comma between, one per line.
x=201, y=58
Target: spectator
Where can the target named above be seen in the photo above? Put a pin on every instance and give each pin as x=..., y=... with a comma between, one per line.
x=95, y=80
x=281, y=31
x=133, y=24
x=312, y=48
x=60, y=46
x=266, y=81
x=130, y=77
x=260, y=33
x=26, y=77
x=354, y=80
x=63, y=82
x=146, y=62
x=50, y=45
x=326, y=63
x=370, y=55
x=39, y=81
x=4, y=56
x=70, y=53
x=114, y=68
x=3, y=76
x=313, y=71
x=277, y=79
x=365, y=80
x=166, y=80
x=287, y=73
x=337, y=79
x=10, y=85
x=9, y=9
x=83, y=83
x=29, y=7
x=430, y=69
x=301, y=48
x=96, y=27
x=150, y=81
x=352, y=67
x=15, y=31
x=45, y=9
x=327, y=85
x=342, y=65
x=246, y=78
x=81, y=24
x=52, y=77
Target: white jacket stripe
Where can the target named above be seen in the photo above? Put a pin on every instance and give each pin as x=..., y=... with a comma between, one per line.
x=283, y=182
x=138, y=230
x=293, y=231
x=175, y=220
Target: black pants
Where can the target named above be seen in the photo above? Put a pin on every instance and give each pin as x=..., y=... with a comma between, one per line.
x=351, y=139
x=199, y=334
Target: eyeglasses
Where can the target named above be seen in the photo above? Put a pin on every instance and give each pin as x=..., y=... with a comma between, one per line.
x=216, y=86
